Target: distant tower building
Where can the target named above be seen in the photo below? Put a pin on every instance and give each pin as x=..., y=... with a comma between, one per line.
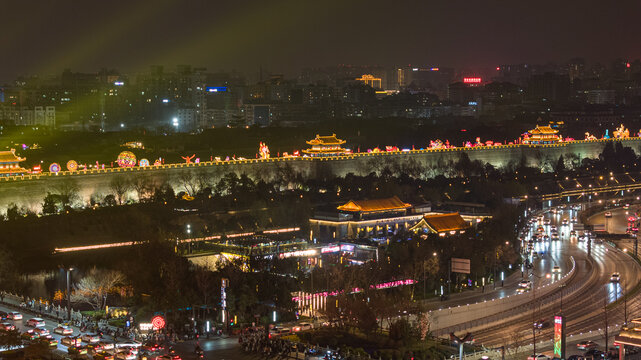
x=576, y=69
x=372, y=81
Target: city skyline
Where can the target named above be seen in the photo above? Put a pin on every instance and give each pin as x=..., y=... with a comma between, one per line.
x=285, y=36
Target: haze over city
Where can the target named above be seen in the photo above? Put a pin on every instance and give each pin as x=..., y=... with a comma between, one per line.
x=338, y=180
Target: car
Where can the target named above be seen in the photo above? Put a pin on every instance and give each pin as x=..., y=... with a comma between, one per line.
x=615, y=277
x=525, y=283
x=168, y=357
x=135, y=344
x=608, y=214
x=574, y=220
x=585, y=345
x=547, y=221
x=14, y=315
x=49, y=341
x=77, y=350
x=556, y=269
x=63, y=330
x=565, y=222
x=70, y=341
x=103, y=355
x=153, y=346
x=42, y=332
x=5, y=326
x=594, y=354
x=575, y=357
x=541, y=324
x=126, y=355
x=302, y=327
x=100, y=346
x=36, y=322
x=279, y=331
x=3, y=315
x=131, y=349
x=90, y=338
x=553, y=228
x=538, y=357
x=29, y=335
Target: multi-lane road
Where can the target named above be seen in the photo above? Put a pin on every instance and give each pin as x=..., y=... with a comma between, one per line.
x=582, y=299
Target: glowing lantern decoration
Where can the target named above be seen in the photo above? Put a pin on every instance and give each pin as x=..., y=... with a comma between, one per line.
x=54, y=168
x=158, y=162
x=72, y=165
x=263, y=149
x=126, y=159
x=143, y=163
x=158, y=322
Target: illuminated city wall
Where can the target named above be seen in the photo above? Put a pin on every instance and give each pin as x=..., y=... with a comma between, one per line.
x=29, y=191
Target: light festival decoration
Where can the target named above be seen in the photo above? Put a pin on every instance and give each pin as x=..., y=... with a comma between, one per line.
x=263, y=150
x=72, y=165
x=158, y=322
x=54, y=168
x=143, y=163
x=188, y=158
x=126, y=159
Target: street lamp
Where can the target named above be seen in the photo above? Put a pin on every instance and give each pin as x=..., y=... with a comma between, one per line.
x=69, y=270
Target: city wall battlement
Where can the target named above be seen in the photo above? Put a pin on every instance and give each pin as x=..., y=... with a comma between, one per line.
x=29, y=190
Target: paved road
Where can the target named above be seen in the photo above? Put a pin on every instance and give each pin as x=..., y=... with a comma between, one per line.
x=584, y=308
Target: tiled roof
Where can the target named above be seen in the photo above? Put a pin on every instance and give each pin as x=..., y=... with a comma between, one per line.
x=393, y=203
x=326, y=140
x=9, y=156
x=442, y=222
x=543, y=130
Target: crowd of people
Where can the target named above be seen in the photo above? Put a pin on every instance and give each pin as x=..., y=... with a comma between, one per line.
x=257, y=340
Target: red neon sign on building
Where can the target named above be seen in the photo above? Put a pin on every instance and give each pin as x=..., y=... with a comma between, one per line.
x=472, y=80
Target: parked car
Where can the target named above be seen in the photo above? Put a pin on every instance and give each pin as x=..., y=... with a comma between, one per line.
x=14, y=315
x=63, y=330
x=36, y=322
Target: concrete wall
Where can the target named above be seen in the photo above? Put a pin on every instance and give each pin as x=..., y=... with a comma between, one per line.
x=29, y=191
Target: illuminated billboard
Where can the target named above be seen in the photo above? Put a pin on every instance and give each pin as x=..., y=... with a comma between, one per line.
x=216, y=89
x=471, y=80
x=559, y=337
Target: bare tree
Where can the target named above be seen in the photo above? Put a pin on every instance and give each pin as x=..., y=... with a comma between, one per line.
x=513, y=343
x=189, y=182
x=144, y=186
x=94, y=288
x=119, y=186
x=68, y=190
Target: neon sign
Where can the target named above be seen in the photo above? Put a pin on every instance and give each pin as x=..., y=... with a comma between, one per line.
x=559, y=337
x=472, y=80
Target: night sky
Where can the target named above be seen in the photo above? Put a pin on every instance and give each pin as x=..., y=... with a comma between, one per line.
x=44, y=37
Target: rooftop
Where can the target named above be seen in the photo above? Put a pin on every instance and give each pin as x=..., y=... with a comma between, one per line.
x=10, y=156
x=326, y=140
x=442, y=222
x=393, y=203
x=543, y=130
